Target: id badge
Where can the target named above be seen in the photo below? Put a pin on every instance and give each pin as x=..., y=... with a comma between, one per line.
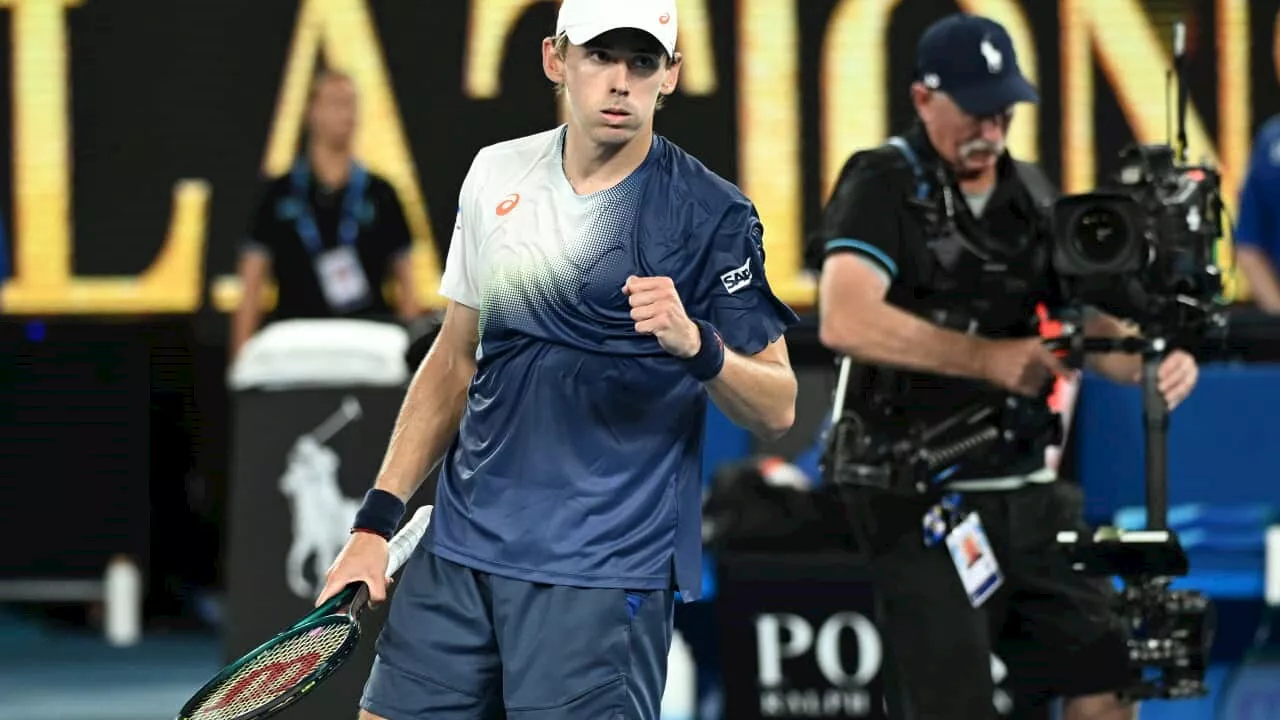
x=974, y=560
x=342, y=278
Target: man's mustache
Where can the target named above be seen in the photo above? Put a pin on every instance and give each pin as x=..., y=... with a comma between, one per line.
x=977, y=146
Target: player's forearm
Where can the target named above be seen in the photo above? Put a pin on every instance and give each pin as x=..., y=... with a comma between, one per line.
x=759, y=395
x=881, y=334
x=428, y=422
x=1262, y=279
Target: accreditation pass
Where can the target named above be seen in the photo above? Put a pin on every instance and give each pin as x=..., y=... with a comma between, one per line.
x=974, y=560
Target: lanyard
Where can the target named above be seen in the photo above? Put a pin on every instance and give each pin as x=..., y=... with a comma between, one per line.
x=348, y=224
x=942, y=518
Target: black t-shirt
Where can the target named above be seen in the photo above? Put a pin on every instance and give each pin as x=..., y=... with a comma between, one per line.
x=382, y=238
x=878, y=212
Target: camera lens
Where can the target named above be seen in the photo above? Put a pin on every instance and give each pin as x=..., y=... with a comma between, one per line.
x=1100, y=235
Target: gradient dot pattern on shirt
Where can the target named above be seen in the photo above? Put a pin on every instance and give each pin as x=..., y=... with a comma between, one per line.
x=543, y=275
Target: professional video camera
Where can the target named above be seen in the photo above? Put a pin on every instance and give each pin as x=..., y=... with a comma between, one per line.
x=1143, y=248
x=1142, y=251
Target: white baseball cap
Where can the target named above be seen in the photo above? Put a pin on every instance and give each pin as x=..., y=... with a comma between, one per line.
x=585, y=20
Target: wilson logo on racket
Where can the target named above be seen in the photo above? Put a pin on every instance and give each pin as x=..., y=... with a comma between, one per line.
x=268, y=681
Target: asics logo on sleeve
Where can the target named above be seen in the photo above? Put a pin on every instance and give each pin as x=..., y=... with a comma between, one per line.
x=508, y=204
x=737, y=278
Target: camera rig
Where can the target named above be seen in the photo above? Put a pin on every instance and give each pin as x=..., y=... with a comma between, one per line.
x=1169, y=631
x=1143, y=251
x=925, y=456
x=1144, y=248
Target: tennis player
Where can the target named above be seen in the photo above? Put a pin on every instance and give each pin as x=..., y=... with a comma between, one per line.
x=603, y=284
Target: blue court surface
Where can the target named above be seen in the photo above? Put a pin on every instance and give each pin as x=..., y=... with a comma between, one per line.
x=52, y=671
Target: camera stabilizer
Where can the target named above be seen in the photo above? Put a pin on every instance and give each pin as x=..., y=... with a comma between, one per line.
x=1170, y=631
x=1146, y=253
x=921, y=460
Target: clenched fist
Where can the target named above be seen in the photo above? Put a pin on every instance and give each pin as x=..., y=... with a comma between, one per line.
x=657, y=311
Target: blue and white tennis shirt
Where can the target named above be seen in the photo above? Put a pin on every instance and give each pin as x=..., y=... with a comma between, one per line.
x=578, y=460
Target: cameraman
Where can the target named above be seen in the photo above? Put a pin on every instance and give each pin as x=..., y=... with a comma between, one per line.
x=935, y=253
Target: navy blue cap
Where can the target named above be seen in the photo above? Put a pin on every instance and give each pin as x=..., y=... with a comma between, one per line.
x=972, y=60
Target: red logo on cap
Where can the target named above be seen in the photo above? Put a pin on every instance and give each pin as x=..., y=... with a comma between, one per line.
x=666, y=18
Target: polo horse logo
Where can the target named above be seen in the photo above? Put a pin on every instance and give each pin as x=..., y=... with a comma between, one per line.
x=995, y=59
x=322, y=515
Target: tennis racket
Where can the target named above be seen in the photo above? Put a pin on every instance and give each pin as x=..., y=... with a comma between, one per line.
x=277, y=673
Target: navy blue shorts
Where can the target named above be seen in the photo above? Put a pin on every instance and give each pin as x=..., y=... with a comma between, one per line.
x=460, y=644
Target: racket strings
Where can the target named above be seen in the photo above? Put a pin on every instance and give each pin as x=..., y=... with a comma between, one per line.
x=273, y=673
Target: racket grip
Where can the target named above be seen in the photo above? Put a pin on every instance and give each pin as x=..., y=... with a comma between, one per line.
x=405, y=541
x=359, y=600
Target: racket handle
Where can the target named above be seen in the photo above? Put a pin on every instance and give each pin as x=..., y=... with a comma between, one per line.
x=359, y=600
x=344, y=596
x=356, y=595
x=406, y=541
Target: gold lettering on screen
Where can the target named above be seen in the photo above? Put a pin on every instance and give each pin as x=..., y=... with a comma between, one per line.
x=344, y=31
x=1235, y=117
x=488, y=32
x=1115, y=34
x=769, y=137
x=854, y=75
x=699, y=73
x=1079, y=145
x=43, y=280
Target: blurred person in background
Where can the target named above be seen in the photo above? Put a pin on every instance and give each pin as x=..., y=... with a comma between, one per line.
x=329, y=232
x=935, y=303
x=1257, y=231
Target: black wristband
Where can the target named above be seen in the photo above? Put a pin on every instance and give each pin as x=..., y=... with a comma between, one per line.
x=380, y=513
x=710, y=358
